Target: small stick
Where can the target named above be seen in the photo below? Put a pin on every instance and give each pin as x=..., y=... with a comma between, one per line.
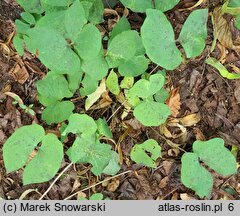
x=65, y=169
x=89, y=187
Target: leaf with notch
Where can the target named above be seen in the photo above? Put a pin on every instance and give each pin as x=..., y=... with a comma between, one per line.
x=194, y=33
x=52, y=88
x=58, y=112
x=136, y=66
x=89, y=42
x=165, y=5
x=194, y=176
x=75, y=20
x=80, y=124
x=158, y=40
x=53, y=50
x=145, y=88
x=46, y=163
x=20, y=144
x=139, y=153
x=151, y=113
x=121, y=47
x=216, y=156
x=138, y=5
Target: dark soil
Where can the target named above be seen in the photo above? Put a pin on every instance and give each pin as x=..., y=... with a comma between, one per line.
x=202, y=90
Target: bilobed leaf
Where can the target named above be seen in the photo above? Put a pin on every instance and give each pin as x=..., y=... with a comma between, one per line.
x=58, y=112
x=138, y=5
x=89, y=42
x=165, y=5
x=194, y=176
x=46, y=163
x=96, y=67
x=52, y=88
x=75, y=20
x=221, y=68
x=216, y=156
x=136, y=66
x=20, y=144
x=121, y=26
x=151, y=113
x=53, y=50
x=158, y=39
x=194, y=33
x=80, y=124
x=121, y=47
x=112, y=83
x=139, y=153
x=145, y=88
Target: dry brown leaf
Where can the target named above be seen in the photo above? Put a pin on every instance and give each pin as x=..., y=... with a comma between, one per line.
x=104, y=102
x=76, y=184
x=19, y=72
x=81, y=195
x=190, y=120
x=113, y=185
x=198, y=134
x=175, y=196
x=174, y=102
x=164, y=131
x=163, y=182
x=195, y=5
x=185, y=196
x=223, y=29
x=134, y=123
x=174, y=152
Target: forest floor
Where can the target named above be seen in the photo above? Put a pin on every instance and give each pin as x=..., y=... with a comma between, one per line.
x=195, y=88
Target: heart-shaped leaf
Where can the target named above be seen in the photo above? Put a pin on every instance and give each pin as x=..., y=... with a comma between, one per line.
x=80, y=124
x=194, y=176
x=158, y=39
x=58, y=112
x=151, y=113
x=20, y=144
x=216, y=156
x=46, y=163
x=194, y=33
x=139, y=153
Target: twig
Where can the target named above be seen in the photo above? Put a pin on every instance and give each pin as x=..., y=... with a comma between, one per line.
x=65, y=169
x=89, y=187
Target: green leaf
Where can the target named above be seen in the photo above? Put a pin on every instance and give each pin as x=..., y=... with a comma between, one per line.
x=161, y=96
x=58, y=112
x=127, y=82
x=53, y=50
x=121, y=47
x=121, y=26
x=194, y=176
x=96, y=196
x=19, y=146
x=158, y=39
x=113, y=165
x=237, y=22
x=139, y=153
x=80, y=124
x=112, y=83
x=234, y=3
x=140, y=49
x=145, y=88
x=29, y=18
x=85, y=149
x=216, y=156
x=222, y=70
x=194, y=33
x=165, y=5
x=58, y=3
x=96, y=68
x=75, y=20
x=54, y=20
x=89, y=85
x=46, y=163
x=136, y=66
x=89, y=42
x=52, y=88
x=103, y=128
x=33, y=6
x=138, y=5
x=96, y=11
x=74, y=80
x=22, y=27
x=151, y=113
x=18, y=44
x=87, y=7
